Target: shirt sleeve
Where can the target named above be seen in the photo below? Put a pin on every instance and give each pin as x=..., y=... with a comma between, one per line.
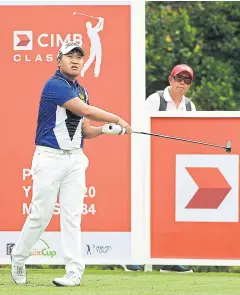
x=153, y=102
x=58, y=91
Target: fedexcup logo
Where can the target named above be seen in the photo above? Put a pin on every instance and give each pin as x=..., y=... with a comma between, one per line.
x=22, y=40
x=43, y=250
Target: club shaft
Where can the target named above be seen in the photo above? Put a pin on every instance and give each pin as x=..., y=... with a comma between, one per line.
x=181, y=139
x=85, y=14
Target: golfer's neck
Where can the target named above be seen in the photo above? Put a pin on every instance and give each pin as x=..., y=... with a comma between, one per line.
x=70, y=77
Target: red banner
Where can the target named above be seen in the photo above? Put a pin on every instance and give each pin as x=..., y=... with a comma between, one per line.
x=31, y=37
x=195, y=189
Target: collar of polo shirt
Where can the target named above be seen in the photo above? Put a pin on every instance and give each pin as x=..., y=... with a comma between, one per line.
x=59, y=74
x=168, y=98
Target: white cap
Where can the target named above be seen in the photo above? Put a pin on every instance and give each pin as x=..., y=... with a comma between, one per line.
x=67, y=47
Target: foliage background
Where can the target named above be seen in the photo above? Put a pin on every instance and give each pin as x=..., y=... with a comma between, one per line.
x=204, y=35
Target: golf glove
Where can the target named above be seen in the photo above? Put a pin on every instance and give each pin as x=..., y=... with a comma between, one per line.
x=113, y=129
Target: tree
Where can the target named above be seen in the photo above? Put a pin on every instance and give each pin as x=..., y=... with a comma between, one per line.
x=204, y=35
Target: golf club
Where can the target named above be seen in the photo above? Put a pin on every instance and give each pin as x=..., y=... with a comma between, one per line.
x=74, y=13
x=228, y=146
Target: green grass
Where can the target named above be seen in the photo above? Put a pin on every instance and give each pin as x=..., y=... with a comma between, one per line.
x=116, y=282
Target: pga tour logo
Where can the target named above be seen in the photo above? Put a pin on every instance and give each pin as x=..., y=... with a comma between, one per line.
x=22, y=40
x=206, y=188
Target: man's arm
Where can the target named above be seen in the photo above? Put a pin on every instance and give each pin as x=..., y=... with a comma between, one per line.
x=90, y=131
x=75, y=105
x=60, y=93
x=99, y=25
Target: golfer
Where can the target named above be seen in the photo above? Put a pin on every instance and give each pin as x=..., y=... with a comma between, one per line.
x=59, y=164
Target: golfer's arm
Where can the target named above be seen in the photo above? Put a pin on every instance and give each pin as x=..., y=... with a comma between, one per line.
x=90, y=131
x=77, y=106
x=100, y=25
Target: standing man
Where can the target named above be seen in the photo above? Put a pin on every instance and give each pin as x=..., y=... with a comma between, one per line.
x=59, y=164
x=173, y=98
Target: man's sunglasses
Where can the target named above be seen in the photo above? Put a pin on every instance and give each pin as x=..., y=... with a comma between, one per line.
x=186, y=80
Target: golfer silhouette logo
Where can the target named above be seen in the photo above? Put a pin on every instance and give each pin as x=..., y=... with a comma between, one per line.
x=95, y=44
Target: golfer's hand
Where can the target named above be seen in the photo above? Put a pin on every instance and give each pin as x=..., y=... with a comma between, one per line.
x=125, y=125
x=113, y=129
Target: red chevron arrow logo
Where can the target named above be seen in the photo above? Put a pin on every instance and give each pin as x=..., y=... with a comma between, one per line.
x=212, y=188
x=23, y=40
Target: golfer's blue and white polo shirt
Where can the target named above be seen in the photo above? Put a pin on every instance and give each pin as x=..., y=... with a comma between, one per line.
x=58, y=127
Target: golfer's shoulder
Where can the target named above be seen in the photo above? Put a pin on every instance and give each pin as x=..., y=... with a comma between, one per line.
x=55, y=86
x=57, y=82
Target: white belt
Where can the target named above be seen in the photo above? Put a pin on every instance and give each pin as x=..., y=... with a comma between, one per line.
x=57, y=151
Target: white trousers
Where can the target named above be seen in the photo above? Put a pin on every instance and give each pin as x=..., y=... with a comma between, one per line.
x=56, y=174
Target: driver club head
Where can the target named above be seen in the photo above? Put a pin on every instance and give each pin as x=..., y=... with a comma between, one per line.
x=229, y=147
